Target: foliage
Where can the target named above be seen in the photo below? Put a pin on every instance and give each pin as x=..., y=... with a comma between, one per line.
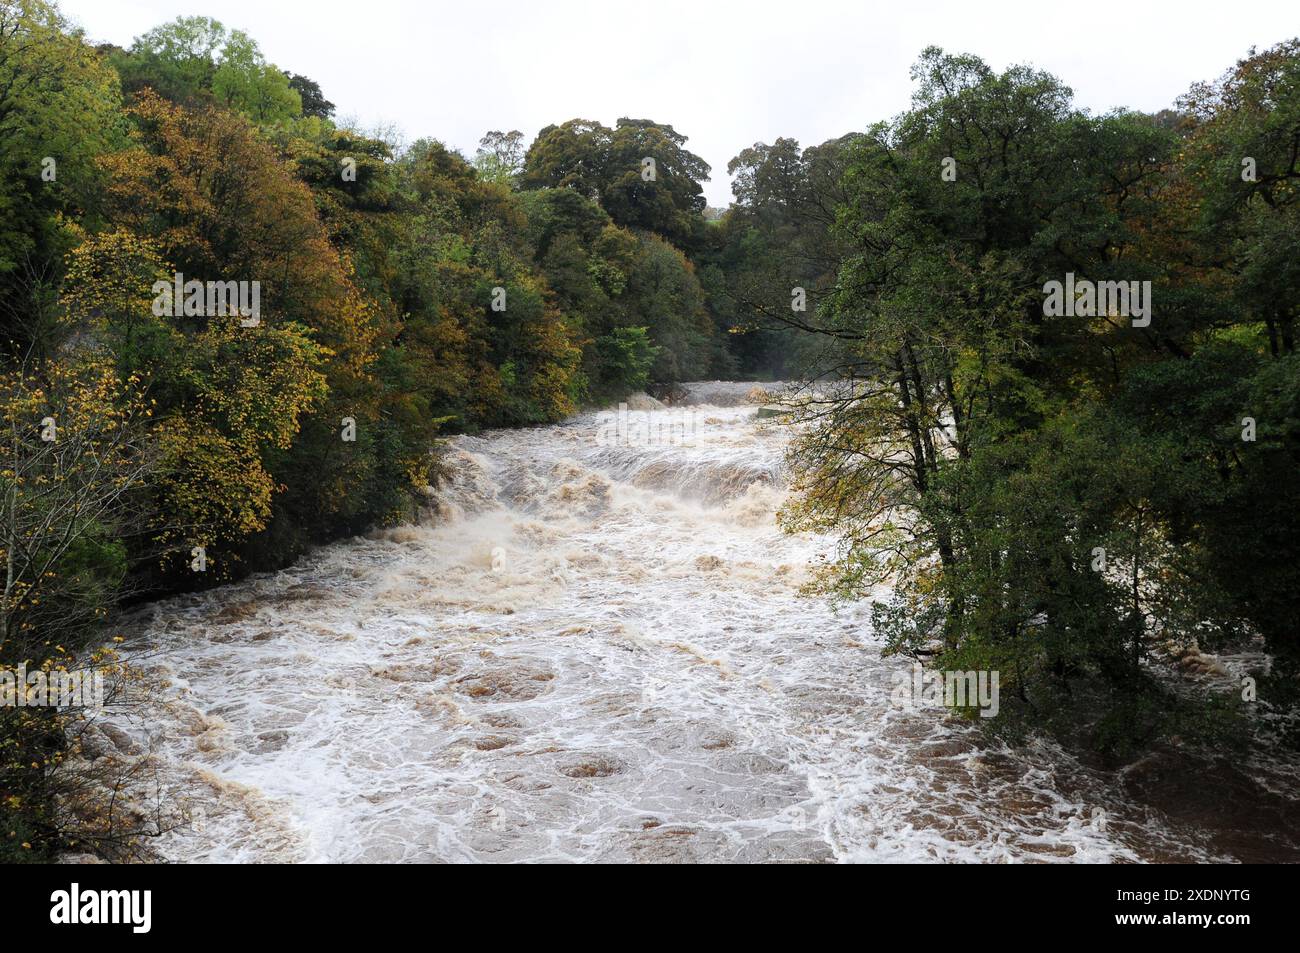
x=76, y=459
x=195, y=60
x=609, y=165
x=1059, y=497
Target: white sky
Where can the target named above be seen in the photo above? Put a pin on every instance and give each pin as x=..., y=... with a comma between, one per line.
x=725, y=74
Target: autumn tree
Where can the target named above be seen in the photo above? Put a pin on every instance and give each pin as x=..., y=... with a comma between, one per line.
x=75, y=463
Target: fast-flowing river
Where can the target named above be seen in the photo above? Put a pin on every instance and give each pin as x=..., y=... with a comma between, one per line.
x=594, y=649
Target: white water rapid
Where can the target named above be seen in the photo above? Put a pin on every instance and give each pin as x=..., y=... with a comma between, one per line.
x=595, y=651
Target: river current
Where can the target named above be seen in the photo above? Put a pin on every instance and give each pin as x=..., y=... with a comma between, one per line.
x=592, y=648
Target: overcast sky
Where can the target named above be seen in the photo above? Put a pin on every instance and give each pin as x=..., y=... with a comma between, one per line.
x=725, y=74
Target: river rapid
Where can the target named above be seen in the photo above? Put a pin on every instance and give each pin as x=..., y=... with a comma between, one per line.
x=593, y=648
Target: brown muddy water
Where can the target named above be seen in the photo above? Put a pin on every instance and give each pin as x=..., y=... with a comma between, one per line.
x=594, y=650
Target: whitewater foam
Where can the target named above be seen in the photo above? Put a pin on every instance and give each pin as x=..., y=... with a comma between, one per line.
x=587, y=653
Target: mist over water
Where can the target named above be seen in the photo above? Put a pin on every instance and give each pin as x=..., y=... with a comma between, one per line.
x=592, y=650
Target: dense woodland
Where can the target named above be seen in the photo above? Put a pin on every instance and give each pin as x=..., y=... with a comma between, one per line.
x=968, y=449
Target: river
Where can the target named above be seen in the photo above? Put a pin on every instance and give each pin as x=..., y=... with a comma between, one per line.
x=592, y=649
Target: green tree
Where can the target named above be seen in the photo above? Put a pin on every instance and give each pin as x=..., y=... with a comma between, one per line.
x=313, y=101
x=58, y=109
x=640, y=172
x=196, y=60
x=500, y=156
x=972, y=450
x=245, y=82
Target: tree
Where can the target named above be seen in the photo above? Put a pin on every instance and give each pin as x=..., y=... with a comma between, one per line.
x=971, y=449
x=76, y=460
x=640, y=172
x=195, y=60
x=222, y=207
x=176, y=60
x=665, y=297
x=244, y=81
x=779, y=236
x=667, y=197
x=314, y=103
x=58, y=109
x=500, y=156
